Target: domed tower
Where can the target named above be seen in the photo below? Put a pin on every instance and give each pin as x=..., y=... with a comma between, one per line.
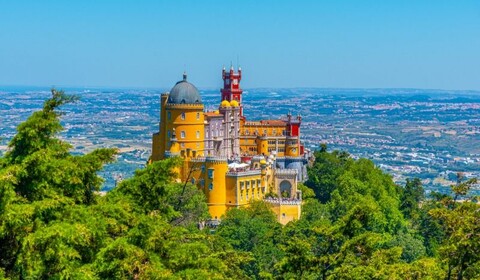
x=182, y=118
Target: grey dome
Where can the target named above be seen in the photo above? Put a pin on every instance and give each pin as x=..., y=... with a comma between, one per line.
x=184, y=93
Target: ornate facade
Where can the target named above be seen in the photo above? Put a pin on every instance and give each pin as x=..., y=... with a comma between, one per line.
x=234, y=161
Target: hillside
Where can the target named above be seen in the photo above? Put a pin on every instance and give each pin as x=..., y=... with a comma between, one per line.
x=356, y=224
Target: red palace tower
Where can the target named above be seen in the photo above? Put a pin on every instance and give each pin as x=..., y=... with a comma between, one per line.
x=231, y=86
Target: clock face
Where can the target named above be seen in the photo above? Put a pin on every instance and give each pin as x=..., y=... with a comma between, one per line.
x=235, y=81
x=294, y=150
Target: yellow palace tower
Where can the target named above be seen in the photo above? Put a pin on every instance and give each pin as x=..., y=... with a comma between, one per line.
x=231, y=160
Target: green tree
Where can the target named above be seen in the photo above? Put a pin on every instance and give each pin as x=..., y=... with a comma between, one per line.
x=153, y=189
x=255, y=230
x=322, y=176
x=39, y=181
x=412, y=194
x=460, y=220
x=54, y=225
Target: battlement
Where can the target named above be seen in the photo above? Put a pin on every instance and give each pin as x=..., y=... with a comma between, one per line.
x=216, y=159
x=198, y=159
x=234, y=159
x=286, y=171
x=184, y=106
x=264, y=124
x=279, y=201
x=241, y=173
x=169, y=154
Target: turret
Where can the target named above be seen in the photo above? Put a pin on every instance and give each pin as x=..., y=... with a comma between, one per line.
x=231, y=86
x=181, y=112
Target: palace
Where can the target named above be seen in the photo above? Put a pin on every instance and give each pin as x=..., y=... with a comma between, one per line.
x=234, y=161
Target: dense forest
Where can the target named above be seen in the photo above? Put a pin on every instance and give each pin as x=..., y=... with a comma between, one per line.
x=356, y=223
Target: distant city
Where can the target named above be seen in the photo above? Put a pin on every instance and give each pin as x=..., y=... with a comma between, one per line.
x=429, y=134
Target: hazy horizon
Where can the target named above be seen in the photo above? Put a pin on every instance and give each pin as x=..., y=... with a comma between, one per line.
x=164, y=88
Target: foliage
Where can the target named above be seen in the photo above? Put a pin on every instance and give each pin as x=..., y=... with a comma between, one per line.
x=356, y=223
x=53, y=224
x=256, y=230
x=460, y=222
x=153, y=189
x=412, y=195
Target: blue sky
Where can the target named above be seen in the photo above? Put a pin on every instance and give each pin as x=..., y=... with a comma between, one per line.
x=352, y=44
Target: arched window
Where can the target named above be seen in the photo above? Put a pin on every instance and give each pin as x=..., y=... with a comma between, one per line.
x=182, y=134
x=198, y=134
x=169, y=115
x=198, y=116
x=183, y=116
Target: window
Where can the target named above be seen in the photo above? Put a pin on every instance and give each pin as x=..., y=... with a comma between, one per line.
x=183, y=115
x=182, y=134
x=198, y=116
x=182, y=145
x=198, y=134
x=193, y=181
x=242, y=186
x=169, y=115
x=210, y=187
x=210, y=173
x=168, y=134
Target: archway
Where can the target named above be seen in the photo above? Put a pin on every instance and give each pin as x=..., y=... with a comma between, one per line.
x=286, y=189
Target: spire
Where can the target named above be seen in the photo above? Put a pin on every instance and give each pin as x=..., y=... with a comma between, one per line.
x=184, y=75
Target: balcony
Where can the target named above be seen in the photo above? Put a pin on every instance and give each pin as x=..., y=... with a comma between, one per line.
x=243, y=172
x=284, y=201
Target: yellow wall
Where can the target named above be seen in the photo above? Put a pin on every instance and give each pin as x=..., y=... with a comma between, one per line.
x=231, y=194
x=192, y=125
x=261, y=129
x=156, y=147
x=216, y=196
x=248, y=188
x=250, y=143
x=227, y=191
x=159, y=139
x=262, y=146
x=286, y=213
x=292, y=148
